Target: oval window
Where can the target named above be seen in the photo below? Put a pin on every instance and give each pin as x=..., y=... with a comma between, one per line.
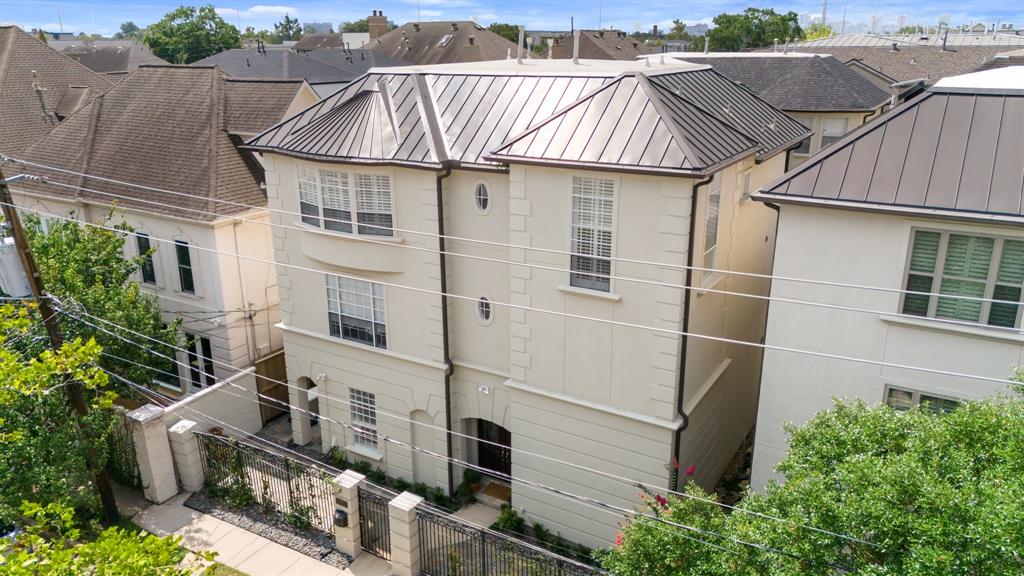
x=483, y=308
x=483, y=198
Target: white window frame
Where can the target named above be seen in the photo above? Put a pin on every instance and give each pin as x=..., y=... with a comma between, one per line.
x=808, y=122
x=192, y=267
x=745, y=184
x=714, y=189
x=483, y=211
x=916, y=397
x=350, y=295
x=138, y=234
x=346, y=196
x=363, y=416
x=199, y=371
x=938, y=274
x=580, y=275
x=825, y=121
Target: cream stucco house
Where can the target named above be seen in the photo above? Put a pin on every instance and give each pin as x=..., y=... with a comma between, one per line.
x=639, y=170
x=177, y=128
x=922, y=209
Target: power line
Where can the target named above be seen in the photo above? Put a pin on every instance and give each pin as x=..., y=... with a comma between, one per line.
x=645, y=281
x=584, y=468
x=620, y=323
x=484, y=242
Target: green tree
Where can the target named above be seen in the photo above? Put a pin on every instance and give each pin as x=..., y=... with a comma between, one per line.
x=129, y=31
x=288, y=28
x=928, y=494
x=509, y=31
x=753, y=28
x=911, y=30
x=85, y=267
x=43, y=453
x=53, y=545
x=266, y=36
x=187, y=34
x=817, y=30
x=355, y=26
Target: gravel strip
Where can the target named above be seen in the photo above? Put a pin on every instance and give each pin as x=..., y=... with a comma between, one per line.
x=312, y=543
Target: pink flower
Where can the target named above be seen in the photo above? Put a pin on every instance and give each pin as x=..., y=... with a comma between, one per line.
x=675, y=463
x=618, y=540
x=661, y=500
x=691, y=469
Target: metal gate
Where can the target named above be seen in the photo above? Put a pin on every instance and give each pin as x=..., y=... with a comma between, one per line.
x=122, y=461
x=374, y=523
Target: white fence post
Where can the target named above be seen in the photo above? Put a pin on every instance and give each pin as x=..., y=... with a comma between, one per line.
x=346, y=505
x=187, y=459
x=153, y=450
x=405, y=534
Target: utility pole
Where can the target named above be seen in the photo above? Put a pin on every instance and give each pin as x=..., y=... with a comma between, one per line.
x=76, y=394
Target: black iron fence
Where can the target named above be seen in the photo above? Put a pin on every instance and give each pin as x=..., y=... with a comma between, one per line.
x=450, y=547
x=375, y=521
x=122, y=461
x=245, y=476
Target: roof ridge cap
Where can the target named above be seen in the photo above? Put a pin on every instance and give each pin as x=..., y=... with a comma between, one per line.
x=713, y=117
x=217, y=101
x=7, y=54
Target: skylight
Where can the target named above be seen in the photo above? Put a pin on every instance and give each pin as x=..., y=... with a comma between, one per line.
x=445, y=40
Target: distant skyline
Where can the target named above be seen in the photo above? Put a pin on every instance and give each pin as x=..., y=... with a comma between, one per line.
x=105, y=16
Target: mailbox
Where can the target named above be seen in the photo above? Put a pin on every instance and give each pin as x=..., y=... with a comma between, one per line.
x=341, y=518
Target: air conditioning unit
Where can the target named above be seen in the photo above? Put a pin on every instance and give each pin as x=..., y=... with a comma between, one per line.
x=13, y=281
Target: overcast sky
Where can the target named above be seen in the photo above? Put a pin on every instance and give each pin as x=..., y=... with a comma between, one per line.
x=105, y=16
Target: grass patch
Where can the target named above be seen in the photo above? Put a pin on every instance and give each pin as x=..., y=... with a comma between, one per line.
x=218, y=569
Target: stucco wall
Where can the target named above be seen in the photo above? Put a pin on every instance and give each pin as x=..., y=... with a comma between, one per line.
x=869, y=249
x=232, y=405
x=853, y=120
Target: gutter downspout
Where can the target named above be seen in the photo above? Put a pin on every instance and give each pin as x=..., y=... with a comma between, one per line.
x=449, y=366
x=677, y=438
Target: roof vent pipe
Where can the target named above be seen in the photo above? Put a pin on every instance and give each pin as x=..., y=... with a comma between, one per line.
x=706, y=43
x=519, y=46
x=508, y=54
x=550, y=47
x=576, y=47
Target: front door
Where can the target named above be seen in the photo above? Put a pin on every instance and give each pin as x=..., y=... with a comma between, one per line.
x=493, y=447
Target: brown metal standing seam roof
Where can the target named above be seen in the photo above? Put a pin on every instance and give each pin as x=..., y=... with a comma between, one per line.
x=951, y=151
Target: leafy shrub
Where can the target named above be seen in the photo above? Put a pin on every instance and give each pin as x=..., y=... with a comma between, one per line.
x=470, y=476
x=509, y=520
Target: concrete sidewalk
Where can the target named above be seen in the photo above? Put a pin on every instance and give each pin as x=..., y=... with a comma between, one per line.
x=239, y=548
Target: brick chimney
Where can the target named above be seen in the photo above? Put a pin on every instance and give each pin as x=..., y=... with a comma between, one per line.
x=378, y=24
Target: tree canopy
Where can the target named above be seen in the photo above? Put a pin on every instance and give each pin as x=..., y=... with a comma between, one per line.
x=925, y=494
x=362, y=25
x=288, y=28
x=753, y=28
x=187, y=34
x=129, y=31
x=817, y=30
x=510, y=31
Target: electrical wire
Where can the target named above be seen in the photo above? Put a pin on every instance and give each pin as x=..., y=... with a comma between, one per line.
x=489, y=242
x=626, y=480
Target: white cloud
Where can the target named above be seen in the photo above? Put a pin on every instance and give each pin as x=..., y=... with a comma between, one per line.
x=258, y=11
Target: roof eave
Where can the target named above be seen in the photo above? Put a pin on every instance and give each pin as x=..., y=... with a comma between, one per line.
x=938, y=213
x=653, y=170
x=347, y=159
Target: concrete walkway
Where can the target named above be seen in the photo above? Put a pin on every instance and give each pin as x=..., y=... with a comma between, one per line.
x=239, y=548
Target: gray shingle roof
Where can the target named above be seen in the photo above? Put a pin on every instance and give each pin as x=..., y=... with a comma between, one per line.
x=65, y=86
x=886, y=40
x=601, y=45
x=108, y=56
x=172, y=127
x=952, y=152
x=913, y=62
x=316, y=66
x=817, y=83
x=442, y=43
x=466, y=116
x=316, y=41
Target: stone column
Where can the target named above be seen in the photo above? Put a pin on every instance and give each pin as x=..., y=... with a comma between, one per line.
x=185, y=449
x=298, y=397
x=405, y=534
x=153, y=450
x=346, y=503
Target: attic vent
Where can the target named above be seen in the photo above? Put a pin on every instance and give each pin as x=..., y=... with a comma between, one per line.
x=455, y=26
x=472, y=40
x=416, y=26
x=445, y=39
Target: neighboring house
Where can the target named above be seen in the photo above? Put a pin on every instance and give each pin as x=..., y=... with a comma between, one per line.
x=922, y=208
x=326, y=70
x=443, y=43
x=600, y=45
x=950, y=40
x=1003, y=60
x=607, y=159
x=112, y=57
x=39, y=87
x=178, y=128
x=329, y=41
x=817, y=91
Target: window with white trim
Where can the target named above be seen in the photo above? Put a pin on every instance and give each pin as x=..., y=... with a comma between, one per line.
x=712, y=209
x=832, y=129
x=965, y=277
x=903, y=399
x=805, y=145
x=593, y=205
x=146, y=265
x=355, y=311
x=186, y=279
x=199, y=352
x=745, y=188
x=482, y=197
x=326, y=199
x=363, y=411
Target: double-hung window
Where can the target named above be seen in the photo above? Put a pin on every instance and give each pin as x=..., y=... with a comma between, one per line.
x=355, y=311
x=326, y=199
x=200, y=360
x=593, y=205
x=712, y=209
x=363, y=411
x=965, y=277
x=185, y=278
x=805, y=145
x=832, y=129
x=902, y=399
x=146, y=266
